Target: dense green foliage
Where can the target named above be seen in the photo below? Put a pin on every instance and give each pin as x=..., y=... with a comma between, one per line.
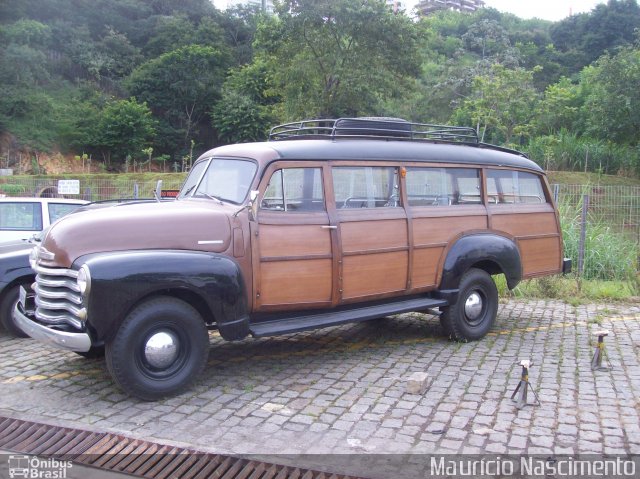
x=113, y=78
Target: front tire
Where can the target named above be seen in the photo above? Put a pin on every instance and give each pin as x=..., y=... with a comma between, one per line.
x=159, y=350
x=474, y=314
x=6, y=312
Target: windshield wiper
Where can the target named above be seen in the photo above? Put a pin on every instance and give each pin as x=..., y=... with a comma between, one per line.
x=211, y=197
x=188, y=190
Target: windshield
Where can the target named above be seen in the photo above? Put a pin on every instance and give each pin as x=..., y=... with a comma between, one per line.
x=221, y=179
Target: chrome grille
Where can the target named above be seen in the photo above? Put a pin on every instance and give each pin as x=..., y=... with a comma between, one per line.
x=58, y=298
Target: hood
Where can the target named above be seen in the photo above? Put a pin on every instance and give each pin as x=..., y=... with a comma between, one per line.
x=197, y=225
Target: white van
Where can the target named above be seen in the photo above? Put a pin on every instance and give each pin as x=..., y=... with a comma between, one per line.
x=21, y=218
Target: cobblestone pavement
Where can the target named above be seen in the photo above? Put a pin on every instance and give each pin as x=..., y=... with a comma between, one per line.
x=343, y=389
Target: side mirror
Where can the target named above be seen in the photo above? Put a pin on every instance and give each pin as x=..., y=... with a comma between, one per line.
x=252, y=206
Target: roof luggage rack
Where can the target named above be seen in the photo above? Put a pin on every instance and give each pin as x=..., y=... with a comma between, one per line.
x=380, y=128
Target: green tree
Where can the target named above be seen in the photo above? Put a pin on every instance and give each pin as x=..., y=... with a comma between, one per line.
x=559, y=108
x=338, y=57
x=169, y=33
x=121, y=56
x=124, y=127
x=502, y=104
x=181, y=85
x=247, y=109
x=611, y=107
x=587, y=36
x=239, y=25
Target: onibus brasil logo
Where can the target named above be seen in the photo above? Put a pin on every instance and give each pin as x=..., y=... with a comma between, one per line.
x=32, y=467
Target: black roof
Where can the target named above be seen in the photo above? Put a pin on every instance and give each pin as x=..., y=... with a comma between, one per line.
x=375, y=138
x=374, y=150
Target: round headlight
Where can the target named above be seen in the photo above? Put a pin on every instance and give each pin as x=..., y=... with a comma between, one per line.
x=84, y=280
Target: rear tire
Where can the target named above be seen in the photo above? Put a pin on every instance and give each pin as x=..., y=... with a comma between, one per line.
x=159, y=350
x=474, y=314
x=6, y=312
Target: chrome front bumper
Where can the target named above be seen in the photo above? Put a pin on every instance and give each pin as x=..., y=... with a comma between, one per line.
x=80, y=342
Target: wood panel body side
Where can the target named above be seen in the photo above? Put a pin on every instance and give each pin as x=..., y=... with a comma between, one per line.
x=294, y=257
x=374, y=275
x=536, y=231
x=432, y=238
x=306, y=281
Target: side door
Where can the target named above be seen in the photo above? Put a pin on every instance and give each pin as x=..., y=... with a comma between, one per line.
x=445, y=202
x=293, y=240
x=520, y=205
x=373, y=231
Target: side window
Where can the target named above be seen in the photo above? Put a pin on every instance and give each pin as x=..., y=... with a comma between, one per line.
x=366, y=186
x=443, y=186
x=509, y=187
x=20, y=216
x=294, y=189
x=58, y=210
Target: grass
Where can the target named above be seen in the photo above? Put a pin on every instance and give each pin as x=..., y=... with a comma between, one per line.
x=608, y=254
x=571, y=289
x=581, y=178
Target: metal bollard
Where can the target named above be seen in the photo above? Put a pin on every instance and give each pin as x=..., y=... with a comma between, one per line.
x=523, y=386
x=600, y=353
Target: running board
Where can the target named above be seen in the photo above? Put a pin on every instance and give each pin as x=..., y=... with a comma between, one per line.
x=335, y=318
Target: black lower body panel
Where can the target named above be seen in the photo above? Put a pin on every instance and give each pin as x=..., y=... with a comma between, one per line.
x=329, y=318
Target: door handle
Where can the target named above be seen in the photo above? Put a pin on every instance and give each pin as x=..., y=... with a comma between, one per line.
x=329, y=227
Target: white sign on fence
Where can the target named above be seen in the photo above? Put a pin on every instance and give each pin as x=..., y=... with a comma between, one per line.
x=69, y=187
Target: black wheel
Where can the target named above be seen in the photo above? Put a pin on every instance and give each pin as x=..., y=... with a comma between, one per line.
x=445, y=324
x=96, y=352
x=6, y=312
x=159, y=350
x=473, y=315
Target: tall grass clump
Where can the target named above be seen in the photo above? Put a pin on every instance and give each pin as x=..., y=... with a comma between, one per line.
x=568, y=151
x=609, y=255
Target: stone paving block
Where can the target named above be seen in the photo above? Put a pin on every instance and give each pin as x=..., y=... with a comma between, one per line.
x=343, y=390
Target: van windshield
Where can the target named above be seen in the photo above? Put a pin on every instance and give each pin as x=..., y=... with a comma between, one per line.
x=220, y=179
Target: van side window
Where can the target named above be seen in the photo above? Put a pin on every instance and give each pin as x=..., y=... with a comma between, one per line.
x=294, y=189
x=20, y=216
x=443, y=186
x=509, y=187
x=366, y=186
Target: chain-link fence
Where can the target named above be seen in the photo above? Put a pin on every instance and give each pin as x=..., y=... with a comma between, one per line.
x=617, y=206
x=601, y=229
x=92, y=188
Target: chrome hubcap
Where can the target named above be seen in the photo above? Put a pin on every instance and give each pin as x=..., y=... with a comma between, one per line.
x=473, y=306
x=161, y=349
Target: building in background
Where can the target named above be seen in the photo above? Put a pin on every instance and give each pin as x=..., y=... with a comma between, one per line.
x=426, y=7
x=396, y=5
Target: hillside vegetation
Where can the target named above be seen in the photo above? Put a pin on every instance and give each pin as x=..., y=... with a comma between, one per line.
x=150, y=84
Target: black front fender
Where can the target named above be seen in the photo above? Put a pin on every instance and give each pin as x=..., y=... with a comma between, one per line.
x=120, y=280
x=491, y=252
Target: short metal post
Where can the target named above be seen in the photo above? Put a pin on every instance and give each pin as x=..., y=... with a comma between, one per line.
x=135, y=191
x=523, y=387
x=556, y=192
x=583, y=234
x=600, y=353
